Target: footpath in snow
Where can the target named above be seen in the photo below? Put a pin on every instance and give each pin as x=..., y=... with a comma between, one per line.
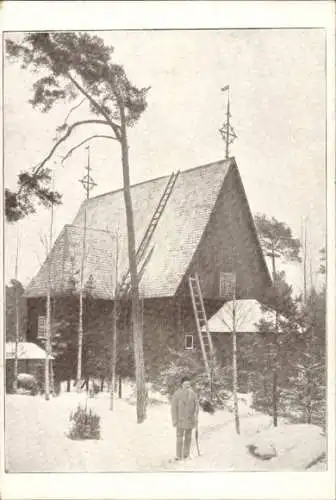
x=36, y=439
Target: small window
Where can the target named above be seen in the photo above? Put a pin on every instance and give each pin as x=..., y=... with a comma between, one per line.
x=189, y=342
x=227, y=285
x=41, y=327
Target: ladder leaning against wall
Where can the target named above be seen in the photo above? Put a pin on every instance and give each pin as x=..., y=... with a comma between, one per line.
x=141, y=256
x=202, y=327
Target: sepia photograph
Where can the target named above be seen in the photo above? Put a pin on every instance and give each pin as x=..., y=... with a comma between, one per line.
x=165, y=250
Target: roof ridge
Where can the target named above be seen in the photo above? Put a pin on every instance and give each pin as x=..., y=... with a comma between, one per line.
x=121, y=189
x=211, y=164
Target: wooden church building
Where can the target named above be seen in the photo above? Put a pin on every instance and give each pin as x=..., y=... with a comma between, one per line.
x=197, y=221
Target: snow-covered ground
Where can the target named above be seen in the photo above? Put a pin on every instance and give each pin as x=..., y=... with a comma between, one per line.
x=36, y=439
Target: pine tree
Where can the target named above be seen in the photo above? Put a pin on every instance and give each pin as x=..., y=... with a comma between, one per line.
x=79, y=65
x=277, y=241
x=15, y=291
x=307, y=394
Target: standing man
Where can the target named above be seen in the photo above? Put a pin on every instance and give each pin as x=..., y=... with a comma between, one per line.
x=184, y=410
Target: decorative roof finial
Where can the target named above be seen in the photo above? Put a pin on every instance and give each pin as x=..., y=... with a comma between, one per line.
x=87, y=180
x=227, y=132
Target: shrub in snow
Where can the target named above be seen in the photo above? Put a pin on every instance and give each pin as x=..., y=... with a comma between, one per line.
x=189, y=363
x=206, y=405
x=27, y=383
x=85, y=424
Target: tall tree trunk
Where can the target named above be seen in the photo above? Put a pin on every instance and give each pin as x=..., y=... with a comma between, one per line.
x=137, y=329
x=275, y=354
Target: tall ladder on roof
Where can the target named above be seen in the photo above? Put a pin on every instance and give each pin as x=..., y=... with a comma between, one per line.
x=140, y=255
x=203, y=331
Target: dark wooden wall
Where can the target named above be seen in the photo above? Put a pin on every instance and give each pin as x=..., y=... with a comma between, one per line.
x=166, y=322
x=229, y=245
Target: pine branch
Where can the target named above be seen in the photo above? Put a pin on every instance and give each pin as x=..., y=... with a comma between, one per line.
x=115, y=127
x=69, y=153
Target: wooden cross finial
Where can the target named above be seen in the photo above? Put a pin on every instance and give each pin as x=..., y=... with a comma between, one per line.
x=87, y=180
x=226, y=131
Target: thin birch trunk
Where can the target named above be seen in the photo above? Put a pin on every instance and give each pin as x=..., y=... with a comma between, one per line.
x=80, y=319
x=115, y=328
x=234, y=362
x=48, y=315
x=17, y=317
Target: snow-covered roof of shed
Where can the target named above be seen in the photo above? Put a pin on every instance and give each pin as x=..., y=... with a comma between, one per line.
x=248, y=313
x=26, y=350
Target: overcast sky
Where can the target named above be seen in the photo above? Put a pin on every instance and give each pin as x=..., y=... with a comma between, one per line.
x=277, y=82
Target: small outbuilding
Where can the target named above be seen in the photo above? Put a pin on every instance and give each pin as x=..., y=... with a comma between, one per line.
x=250, y=340
x=31, y=359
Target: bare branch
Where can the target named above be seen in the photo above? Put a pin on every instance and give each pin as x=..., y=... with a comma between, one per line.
x=242, y=317
x=69, y=153
x=39, y=166
x=44, y=242
x=38, y=258
x=276, y=243
x=226, y=323
x=115, y=127
x=73, y=109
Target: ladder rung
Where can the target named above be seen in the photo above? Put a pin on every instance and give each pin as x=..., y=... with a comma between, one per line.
x=201, y=319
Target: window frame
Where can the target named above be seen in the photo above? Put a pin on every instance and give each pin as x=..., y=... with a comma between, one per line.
x=186, y=343
x=41, y=328
x=223, y=278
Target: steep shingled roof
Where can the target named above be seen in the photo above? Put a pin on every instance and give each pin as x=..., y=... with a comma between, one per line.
x=174, y=242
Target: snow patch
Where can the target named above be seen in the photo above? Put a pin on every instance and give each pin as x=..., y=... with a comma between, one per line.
x=36, y=439
x=294, y=446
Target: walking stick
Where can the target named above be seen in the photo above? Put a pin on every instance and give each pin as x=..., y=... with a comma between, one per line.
x=197, y=443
